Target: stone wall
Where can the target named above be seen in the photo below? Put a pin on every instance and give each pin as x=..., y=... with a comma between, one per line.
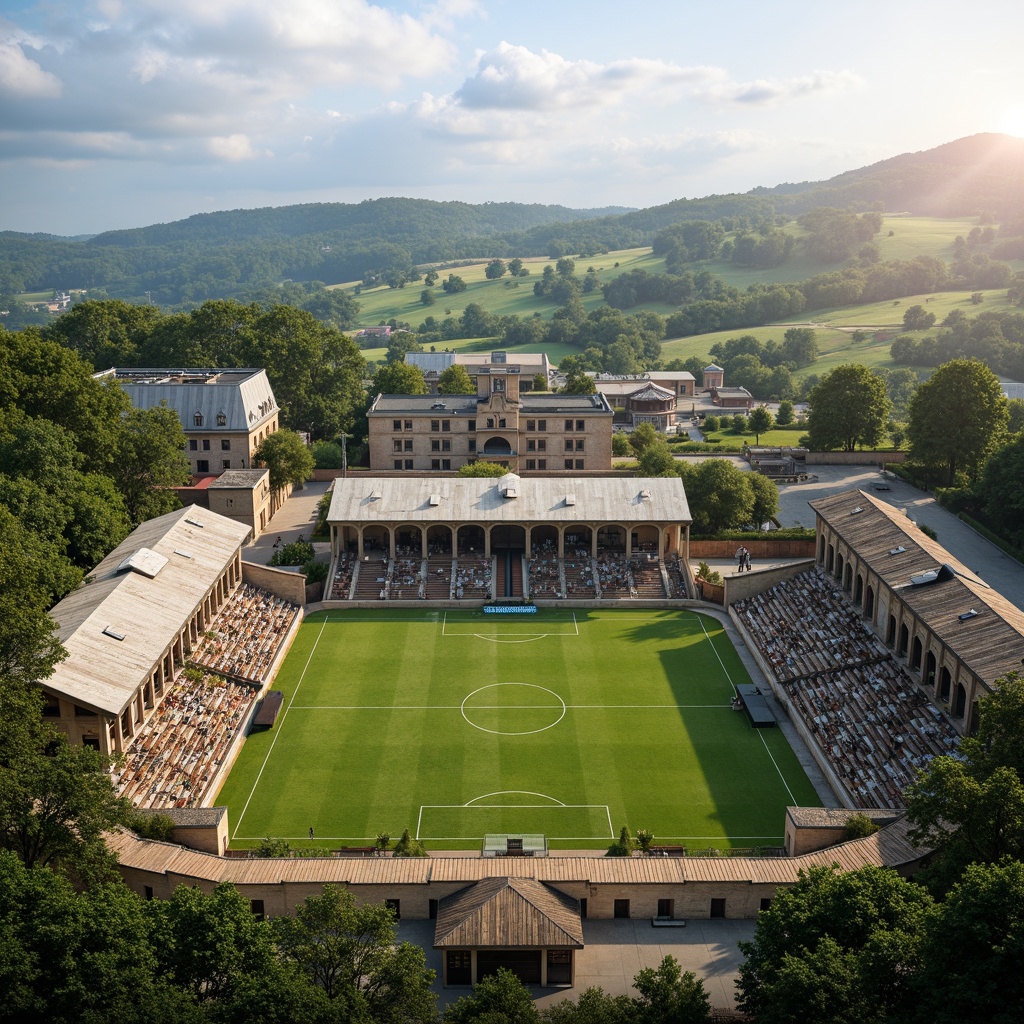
x=758, y=548
x=854, y=458
x=290, y=586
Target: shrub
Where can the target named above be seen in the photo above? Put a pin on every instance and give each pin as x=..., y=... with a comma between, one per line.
x=316, y=572
x=858, y=826
x=151, y=826
x=273, y=848
x=409, y=847
x=739, y=424
x=707, y=575
x=644, y=839
x=624, y=846
x=299, y=552
x=327, y=455
x=710, y=424
x=927, y=531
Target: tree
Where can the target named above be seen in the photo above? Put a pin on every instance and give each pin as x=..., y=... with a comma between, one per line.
x=287, y=457
x=516, y=268
x=620, y=445
x=455, y=381
x=760, y=421
x=785, y=414
x=916, y=318
x=643, y=436
x=399, y=379
x=453, y=284
x=406, y=846
x=497, y=999
x=150, y=461
x=849, y=409
x=799, y=346
x=836, y=947
x=766, y=499
x=738, y=424
x=427, y=297
x=495, y=269
x=579, y=384
x=656, y=459
x=1001, y=489
x=482, y=469
x=352, y=954
x=957, y=418
x=718, y=495
x=104, y=333
x=670, y=996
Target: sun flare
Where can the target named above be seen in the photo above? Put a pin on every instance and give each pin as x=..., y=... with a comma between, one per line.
x=1012, y=121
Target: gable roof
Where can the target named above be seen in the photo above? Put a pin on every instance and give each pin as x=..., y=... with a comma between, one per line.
x=505, y=912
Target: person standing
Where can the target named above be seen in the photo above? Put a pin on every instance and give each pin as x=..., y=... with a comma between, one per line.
x=741, y=553
x=310, y=831
x=746, y=559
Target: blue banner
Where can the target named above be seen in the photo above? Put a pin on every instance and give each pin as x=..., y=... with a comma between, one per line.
x=510, y=609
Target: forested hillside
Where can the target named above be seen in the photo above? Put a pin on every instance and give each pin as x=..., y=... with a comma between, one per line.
x=240, y=253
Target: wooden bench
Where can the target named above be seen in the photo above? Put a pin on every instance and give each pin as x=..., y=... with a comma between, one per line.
x=355, y=851
x=668, y=851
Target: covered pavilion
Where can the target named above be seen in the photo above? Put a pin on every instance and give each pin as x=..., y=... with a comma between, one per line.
x=462, y=516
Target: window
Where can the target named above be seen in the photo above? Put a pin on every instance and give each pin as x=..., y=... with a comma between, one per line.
x=446, y=445
x=193, y=446
x=407, y=445
x=581, y=425
x=225, y=444
x=568, y=444
x=432, y=909
x=542, y=445
x=559, y=966
x=665, y=908
x=579, y=444
x=579, y=464
x=446, y=463
x=147, y=892
x=222, y=419
x=398, y=463
x=718, y=908
x=471, y=425
x=396, y=424
x=435, y=445
x=202, y=465
x=568, y=425
x=531, y=446
x=472, y=444
x=490, y=422
x=568, y=463
x=542, y=425
x=531, y=425
x=396, y=906
x=398, y=444
x=435, y=463
x=257, y=909
x=459, y=967
x=408, y=463
x=498, y=385
x=408, y=424
x=583, y=908
x=225, y=463
x=531, y=463
x=206, y=444
x=435, y=425
x=501, y=424
x=446, y=425
x=621, y=908
x=766, y=903
x=542, y=463
x=197, y=419
x=51, y=707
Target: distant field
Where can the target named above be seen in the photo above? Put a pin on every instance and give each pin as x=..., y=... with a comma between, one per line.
x=570, y=723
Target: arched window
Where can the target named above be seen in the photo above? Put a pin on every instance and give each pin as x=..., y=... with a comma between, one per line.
x=222, y=419
x=197, y=419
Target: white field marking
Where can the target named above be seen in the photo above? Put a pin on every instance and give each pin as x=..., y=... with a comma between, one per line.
x=512, y=792
x=510, y=707
x=505, y=807
x=455, y=839
x=611, y=827
x=499, y=640
x=280, y=725
x=522, y=732
x=717, y=655
x=778, y=769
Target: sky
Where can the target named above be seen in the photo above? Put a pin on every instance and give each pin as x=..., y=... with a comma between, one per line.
x=123, y=113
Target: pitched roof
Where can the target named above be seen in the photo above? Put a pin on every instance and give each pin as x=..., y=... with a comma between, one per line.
x=652, y=393
x=504, y=912
x=118, y=625
x=485, y=499
x=989, y=643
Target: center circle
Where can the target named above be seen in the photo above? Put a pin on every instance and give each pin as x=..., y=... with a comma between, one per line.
x=490, y=706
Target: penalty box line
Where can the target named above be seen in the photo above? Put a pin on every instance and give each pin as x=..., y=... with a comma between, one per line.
x=513, y=807
x=474, y=631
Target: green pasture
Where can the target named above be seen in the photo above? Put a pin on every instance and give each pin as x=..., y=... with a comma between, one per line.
x=457, y=724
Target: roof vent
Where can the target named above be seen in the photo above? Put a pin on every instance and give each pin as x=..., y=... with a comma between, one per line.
x=146, y=562
x=511, y=490
x=570, y=500
x=967, y=615
x=897, y=551
x=857, y=510
x=376, y=494
x=645, y=495
x=112, y=633
x=923, y=578
x=184, y=554
x=435, y=500
x=195, y=522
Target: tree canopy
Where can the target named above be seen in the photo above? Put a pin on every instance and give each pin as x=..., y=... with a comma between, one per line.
x=287, y=457
x=454, y=380
x=849, y=409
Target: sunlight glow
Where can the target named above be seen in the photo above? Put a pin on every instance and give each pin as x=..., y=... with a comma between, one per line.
x=1012, y=121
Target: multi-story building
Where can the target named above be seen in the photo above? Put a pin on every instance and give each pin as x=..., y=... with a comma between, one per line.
x=225, y=413
x=529, y=366
x=526, y=433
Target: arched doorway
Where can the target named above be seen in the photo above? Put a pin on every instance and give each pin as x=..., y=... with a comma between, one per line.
x=929, y=670
x=376, y=541
x=439, y=541
x=847, y=577
x=821, y=550
x=945, y=682
x=409, y=542
x=470, y=541
x=831, y=560
x=578, y=541
x=869, y=603
x=915, y=653
x=508, y=543
x=507, y=538
x=858, y=590
x=543, y=541
x=644, y=540
x=890, y=634
x=959, y=701
x=497, y=446
x=840, y=563
x=901, y=650
x=972, y=721
x=611, y=540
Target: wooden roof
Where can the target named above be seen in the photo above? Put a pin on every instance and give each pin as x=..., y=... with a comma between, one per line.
x=990, y=643
x=506, y=912
x=889, y=847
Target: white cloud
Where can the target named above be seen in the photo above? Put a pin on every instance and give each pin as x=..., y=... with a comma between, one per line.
x=233, y=148
x=768, y=91
x=22, y=76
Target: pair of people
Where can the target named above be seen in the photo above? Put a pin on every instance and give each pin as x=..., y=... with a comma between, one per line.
x=743, y=558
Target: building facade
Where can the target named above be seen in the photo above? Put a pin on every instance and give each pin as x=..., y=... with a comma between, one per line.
x=225, y=414
x=529, y=366
x=523, y=433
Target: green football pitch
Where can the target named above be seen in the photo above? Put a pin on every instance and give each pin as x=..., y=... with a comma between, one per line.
x=459, y=724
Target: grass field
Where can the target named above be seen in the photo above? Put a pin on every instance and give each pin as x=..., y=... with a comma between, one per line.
x=458, y=724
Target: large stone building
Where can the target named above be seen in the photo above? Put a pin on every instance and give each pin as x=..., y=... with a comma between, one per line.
x=522, y=432
x=225, y=413
x=528, y=365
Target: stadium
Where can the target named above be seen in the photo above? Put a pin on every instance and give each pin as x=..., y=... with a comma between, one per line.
x=515, y=745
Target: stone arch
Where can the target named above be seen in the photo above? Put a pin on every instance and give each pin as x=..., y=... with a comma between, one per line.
x=376, y=540
x=543, y=539
x=901, y=650
x=848, y=577
x=945, y=683
x=840, y=565
x=578, y=538
x=439, y=540
x=929, y=670
x=890, y=635
x=869, y=602
x=611, y=538
x=972, y=719
x=470, y=540
x=409, y=541
x=645, y=539
x=915, y=653
x=496, y=445
x=830, y=561
x=507, y=537
x=959, y=701
x=821, y=550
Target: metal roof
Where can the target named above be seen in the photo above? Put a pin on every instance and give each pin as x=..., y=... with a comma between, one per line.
x=117, y=626
x=484, y=499
x=990, y=643
x=242, y=399
x=504, y=912
x=529, y=403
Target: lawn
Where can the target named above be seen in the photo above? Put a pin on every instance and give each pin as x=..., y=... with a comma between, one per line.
x=457, y=724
